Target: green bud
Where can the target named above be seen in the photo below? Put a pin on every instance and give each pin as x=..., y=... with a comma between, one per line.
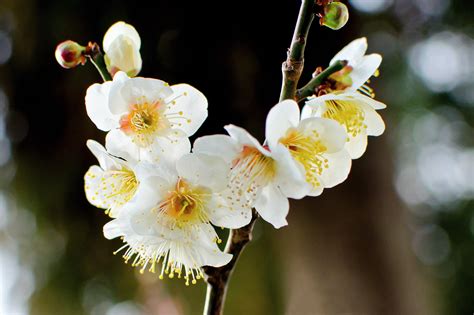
x=335, y=15
x=70, y=54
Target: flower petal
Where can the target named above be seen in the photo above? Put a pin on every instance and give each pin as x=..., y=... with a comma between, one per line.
x=282, y=116
x=357, y=145
x=137, y=90
x=106, y=161
x=353, y=52
x=121, y=145
x=339, y=167
x=188, y=110
x=364, y=70
x=290, y=175
x=221, y=145
x=330, y=132
x=97, y=96
x=374, y=122
x=121, y=29
x=223, y=213
x=123, y=55
x=204, y=170
x=241, y=136
x=272, y=206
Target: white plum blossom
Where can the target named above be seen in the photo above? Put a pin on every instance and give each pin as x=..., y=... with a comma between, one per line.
x=300, y=159
x=112, y=183
x=355, y=112
x=169, y=219
x=122, y=49
x=147, y=114
x=317, y=145
x=360, y=67
x=348, y=100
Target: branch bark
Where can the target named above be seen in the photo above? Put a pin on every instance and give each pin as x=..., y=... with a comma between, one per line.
x=309, y=88
x=293, y=66
x=218, y=278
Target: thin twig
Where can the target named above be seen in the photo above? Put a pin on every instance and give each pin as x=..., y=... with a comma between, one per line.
x=218, y=278
x=293, y=66
x=310, y=88
x=97, y=58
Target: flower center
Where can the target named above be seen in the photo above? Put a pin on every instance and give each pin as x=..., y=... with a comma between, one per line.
x=116, y=188
x=186, y=204
x=251, y=170
x=348, y=114
x=308, y=150
x=143, y=121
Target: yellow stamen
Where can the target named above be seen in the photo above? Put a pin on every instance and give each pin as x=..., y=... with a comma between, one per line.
x=348, y=114
x=308, y=150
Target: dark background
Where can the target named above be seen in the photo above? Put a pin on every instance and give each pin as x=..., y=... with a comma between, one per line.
x=395, y=238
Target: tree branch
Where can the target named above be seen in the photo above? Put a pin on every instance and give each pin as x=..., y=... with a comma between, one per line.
x=218, y=278
x=310, y=88
x=293, y=66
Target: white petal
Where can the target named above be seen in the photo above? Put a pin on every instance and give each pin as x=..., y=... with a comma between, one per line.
x=244, y=138
x=97, y=96
x=106, y=162
x=282, y=116
x=272, y=206
x=331, y=133
x=204, y=170
x=357, y=145
x=167, y=149
x=113, y=229
x=221, y=145
x=123, y=55
x=227, y=214
x=374, y=122
x=121, y=29
x=353, y=52
x=137, y=90
x=205, y=252
x=121, y=145
x=188, y=110
x=316, y=191
x=338, y=170
x=364, y=70
x=290, y=175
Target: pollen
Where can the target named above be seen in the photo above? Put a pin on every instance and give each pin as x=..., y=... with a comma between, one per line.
x=185, y=204
x=251, y=170
x=348, y=114
x=112, y=188
x=307, y=149
x=143, y=121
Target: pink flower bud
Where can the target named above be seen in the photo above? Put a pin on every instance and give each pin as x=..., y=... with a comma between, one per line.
x=70, y=54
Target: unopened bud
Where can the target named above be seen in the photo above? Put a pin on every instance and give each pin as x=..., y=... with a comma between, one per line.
x=335, y=15
x=70, y=54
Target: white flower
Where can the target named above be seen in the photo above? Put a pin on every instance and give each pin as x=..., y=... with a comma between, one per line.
x=122, y=49
x=348, y=100
x=169, y=219
x=113, y=183
x=359, y=68
x=154, y=117
x=301, y=159
x=355, y=112
x=316, y=145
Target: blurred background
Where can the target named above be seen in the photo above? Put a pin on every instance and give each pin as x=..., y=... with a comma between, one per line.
x=396, y=238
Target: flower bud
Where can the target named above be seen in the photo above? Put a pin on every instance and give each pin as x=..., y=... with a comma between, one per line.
x=70, y=54
x=335, y=15
x=122, y=49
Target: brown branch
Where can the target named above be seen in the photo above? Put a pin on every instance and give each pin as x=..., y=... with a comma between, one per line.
x=218, y=278
x=293, y=66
